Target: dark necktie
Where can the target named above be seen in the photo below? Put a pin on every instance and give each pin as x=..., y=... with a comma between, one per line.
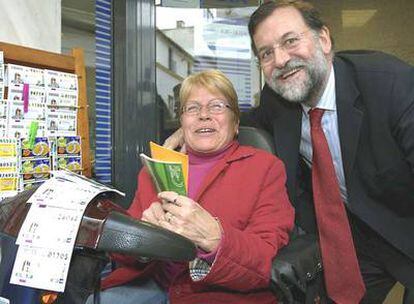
x=343, y=278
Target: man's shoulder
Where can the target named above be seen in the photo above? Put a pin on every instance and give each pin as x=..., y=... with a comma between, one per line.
x=372, y=61
x=374, y=71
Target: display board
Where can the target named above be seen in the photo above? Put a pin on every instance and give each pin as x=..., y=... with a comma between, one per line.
x=71, y=63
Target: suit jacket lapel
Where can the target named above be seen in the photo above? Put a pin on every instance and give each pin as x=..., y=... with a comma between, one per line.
x=349, y=114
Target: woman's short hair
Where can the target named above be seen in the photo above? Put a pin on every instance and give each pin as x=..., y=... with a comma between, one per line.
x=215, y=82
x=309, y=13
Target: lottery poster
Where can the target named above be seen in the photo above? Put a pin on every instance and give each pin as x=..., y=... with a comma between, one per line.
x=68, y=154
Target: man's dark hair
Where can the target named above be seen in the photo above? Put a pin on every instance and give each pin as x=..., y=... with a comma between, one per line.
x=309, y=13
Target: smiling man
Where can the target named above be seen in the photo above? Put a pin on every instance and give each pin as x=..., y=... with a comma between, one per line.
x=295, y=59
x=343, y=124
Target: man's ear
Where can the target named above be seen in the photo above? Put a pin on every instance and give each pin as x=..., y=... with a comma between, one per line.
x=325, y=40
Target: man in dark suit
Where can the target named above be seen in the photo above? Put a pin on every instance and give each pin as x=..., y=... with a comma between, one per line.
x=368, y=120
x=367, y=100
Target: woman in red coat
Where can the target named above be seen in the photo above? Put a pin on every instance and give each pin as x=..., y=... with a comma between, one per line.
x=237, y=211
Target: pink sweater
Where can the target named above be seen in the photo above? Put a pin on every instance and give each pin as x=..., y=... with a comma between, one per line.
x=199, y=165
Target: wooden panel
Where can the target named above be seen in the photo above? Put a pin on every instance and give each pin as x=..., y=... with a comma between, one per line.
x=83, y=121
x=37, y=58
x=73, y=63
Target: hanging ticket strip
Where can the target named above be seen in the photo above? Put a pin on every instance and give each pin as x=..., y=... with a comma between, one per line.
x=38, y=120
x=44, y=254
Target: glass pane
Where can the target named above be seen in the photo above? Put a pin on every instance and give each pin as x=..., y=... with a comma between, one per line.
x=191, y=40
x=78, y=30
x=216, y=37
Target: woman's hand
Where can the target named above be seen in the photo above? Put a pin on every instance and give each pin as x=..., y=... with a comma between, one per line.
x=187, y=218
x=154, y=214
x=175, y=141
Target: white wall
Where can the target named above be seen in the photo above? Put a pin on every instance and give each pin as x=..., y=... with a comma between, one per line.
x=31, y=23
x=73, y=37
x=178, y=56
x=167, y=81
x=165, y=85
x=162, y=51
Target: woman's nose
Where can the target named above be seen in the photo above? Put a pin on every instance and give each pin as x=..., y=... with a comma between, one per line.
x=204, y=113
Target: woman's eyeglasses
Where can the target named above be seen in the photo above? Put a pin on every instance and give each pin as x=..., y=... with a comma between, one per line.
x=213, y=107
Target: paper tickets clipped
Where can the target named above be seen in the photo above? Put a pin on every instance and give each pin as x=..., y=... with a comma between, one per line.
x=44, y=254
x=9, y=167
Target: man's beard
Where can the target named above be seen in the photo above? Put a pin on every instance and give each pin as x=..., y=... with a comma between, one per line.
x=316, y=70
